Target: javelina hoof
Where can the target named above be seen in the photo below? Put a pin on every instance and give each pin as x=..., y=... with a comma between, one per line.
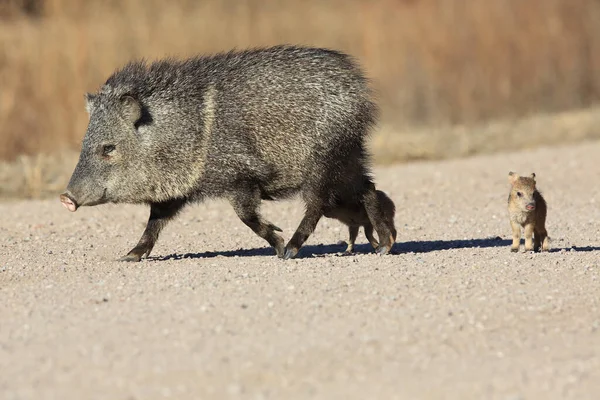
x=514, y=249
x=131, y=258
x=280, y=250
x=289, y=253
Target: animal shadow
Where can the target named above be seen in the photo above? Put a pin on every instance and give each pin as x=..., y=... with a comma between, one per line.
x=306, y=251
x=575, y=248
x=310, y=251
x=426, y=246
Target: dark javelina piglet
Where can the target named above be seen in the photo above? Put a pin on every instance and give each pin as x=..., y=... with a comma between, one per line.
x=355, y=216
x=246, y=125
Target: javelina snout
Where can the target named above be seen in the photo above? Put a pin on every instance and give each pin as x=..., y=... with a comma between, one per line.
x=67, y=200
x=246, y=126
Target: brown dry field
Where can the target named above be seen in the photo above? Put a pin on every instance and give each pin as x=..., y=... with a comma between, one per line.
x=451, y=314
x=453, y=78
x=432, y=62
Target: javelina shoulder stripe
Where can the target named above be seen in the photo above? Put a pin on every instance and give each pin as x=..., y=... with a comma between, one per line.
x=186, y=183
x=208, y=112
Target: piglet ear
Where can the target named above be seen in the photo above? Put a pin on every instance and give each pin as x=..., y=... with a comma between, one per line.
x=131, y=108
x=512, y=177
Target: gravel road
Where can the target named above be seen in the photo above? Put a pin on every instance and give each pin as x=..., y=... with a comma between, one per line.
x=451, y=314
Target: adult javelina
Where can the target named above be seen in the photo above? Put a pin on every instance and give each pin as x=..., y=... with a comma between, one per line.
x=250, y=125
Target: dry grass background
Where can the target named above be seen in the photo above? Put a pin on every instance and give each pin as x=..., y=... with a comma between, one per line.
x=442, y=68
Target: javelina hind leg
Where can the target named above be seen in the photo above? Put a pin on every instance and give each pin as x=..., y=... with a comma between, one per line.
x=394, y=233
x=369, y=235
x=160, y=214
x=540, y=230
x=246, y=205
x=307, y=226
x=376, y=216
x=536, y=240
x=352, y=234
x=541, y=239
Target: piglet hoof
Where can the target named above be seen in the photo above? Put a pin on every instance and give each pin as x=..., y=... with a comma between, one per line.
x=382, y=250
x=289, y=253
x=349, y=246
x=131, y=257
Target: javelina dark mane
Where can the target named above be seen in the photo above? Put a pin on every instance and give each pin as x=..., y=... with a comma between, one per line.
x=246, y=125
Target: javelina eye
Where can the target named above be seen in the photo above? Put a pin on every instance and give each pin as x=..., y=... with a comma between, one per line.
x=107, y=149
x=519, y=194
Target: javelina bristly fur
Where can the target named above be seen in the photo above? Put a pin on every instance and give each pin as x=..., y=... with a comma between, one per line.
x=527, y=208
x=246, y=125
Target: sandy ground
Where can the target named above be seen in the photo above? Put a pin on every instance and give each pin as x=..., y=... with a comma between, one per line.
x=452, y=314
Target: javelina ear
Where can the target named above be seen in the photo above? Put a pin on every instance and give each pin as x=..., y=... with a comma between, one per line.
x=532, y=176
x=512, y=177
x=89, y=102
x=132, y=109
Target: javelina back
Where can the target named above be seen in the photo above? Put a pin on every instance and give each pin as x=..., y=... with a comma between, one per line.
x=249, y=125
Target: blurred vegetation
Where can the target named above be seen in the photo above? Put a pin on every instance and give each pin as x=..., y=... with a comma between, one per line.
x=434, y=63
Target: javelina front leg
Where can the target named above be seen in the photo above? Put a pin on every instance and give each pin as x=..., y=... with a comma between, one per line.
x=352, y=234
x=541, y=233
x=516, y=236
x=529, y=237
x=246, y=204
x=160, y=214
x=376, y=216
x=306, y=227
